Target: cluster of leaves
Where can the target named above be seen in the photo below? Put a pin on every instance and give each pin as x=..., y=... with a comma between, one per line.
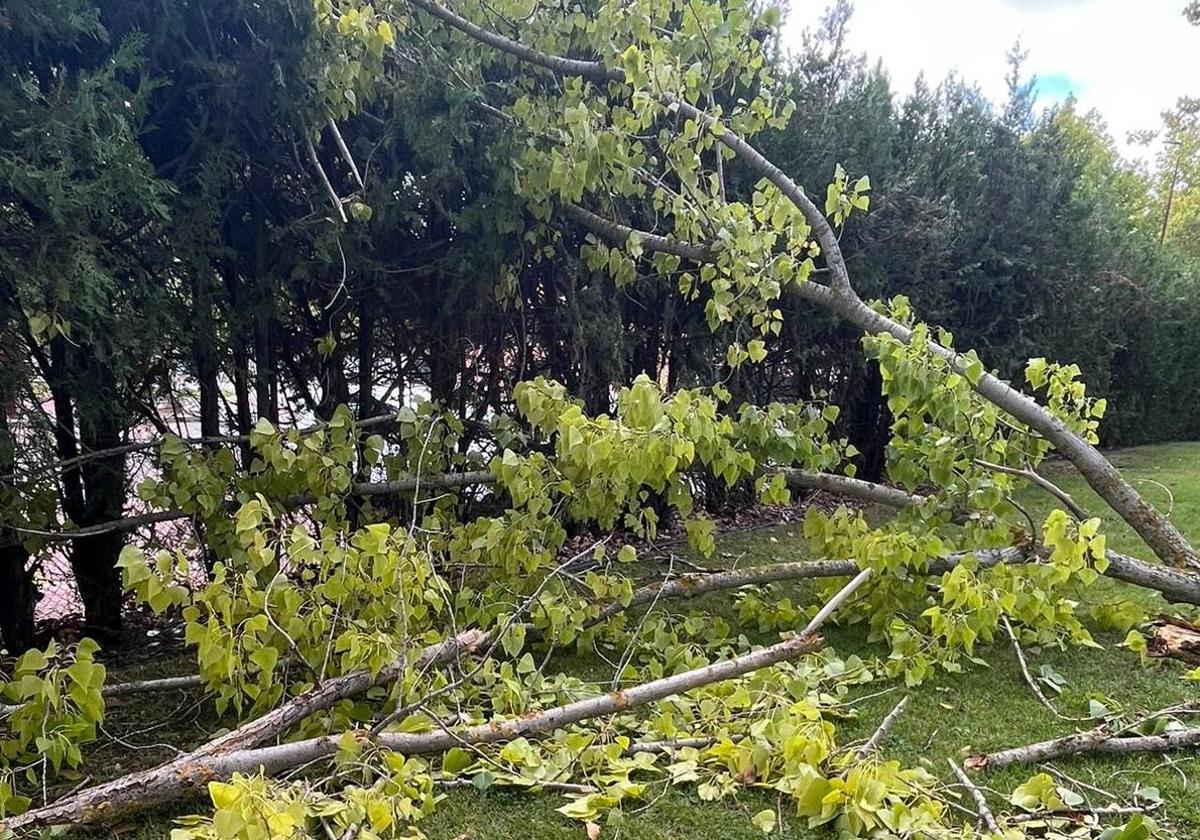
x=256, y=808
x=347, y=50
x=55, y=705
x=324, y=606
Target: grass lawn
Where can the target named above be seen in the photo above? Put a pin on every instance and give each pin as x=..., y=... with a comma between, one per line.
x=983, y=709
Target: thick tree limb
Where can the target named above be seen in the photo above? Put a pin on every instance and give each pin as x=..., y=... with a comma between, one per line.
x=345, y=150
x=689, y=586
x=334, y=198
x=448, y=481
x=222, y=758
x=559, y=65
x=613, y=231
x=1175, y=585
x=796, y=479
x=855, y=488
x=1159, y=533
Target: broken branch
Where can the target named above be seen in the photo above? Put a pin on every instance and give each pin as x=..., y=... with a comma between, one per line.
x=1099, y=740
x=985, y=813
x=880, y=733
x=223, y=757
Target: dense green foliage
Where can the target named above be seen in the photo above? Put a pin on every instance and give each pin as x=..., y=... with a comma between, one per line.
x=408, y=211
x=167, y=249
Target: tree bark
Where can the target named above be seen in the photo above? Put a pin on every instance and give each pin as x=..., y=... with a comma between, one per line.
x=1175, y=638
x=94, y=559
x=18, y=596
x=1098, y=740
x=204, y=356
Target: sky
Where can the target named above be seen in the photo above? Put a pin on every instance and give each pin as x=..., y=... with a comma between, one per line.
x=1128, y=59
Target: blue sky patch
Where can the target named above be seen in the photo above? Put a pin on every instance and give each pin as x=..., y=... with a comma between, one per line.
x=1055, y=87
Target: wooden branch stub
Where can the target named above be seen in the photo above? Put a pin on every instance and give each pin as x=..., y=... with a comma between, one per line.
x=1175, y=638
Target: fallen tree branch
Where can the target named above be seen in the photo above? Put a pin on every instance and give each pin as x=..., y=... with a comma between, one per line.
x=881, y=732
x=220, y=759
x=1155, y=529
x=1175, y=585
x=1098, y=740
x=157, y=442
x=985, y=813
x=135, y=687
x=689, y=586
x=447, y=481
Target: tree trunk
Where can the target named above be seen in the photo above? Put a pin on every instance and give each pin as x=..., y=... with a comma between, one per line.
x=205, y=357
x=868, y=420
x=18, y=595
x=94, y=559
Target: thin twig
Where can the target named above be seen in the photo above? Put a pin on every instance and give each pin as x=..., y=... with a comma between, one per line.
x=1037, y=691
x=1106, y=811
x=1041, y=481
x=1063, y=777
x=876, y=739
x=985, y=813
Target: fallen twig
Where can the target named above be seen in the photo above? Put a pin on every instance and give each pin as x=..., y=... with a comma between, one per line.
x=877, y=737
x=1069, y=813
x=1071, y=780
x=985, y=813
x=1032, y=683
x=556, y=787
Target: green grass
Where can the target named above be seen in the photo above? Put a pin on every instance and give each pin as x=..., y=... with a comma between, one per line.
x=951, y=716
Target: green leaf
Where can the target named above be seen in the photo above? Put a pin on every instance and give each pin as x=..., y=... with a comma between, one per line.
x=457, y=760
x=514, y=640
x=223, y=794
x=764, y=820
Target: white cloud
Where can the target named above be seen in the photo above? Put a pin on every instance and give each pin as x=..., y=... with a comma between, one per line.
x=1127, y=60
